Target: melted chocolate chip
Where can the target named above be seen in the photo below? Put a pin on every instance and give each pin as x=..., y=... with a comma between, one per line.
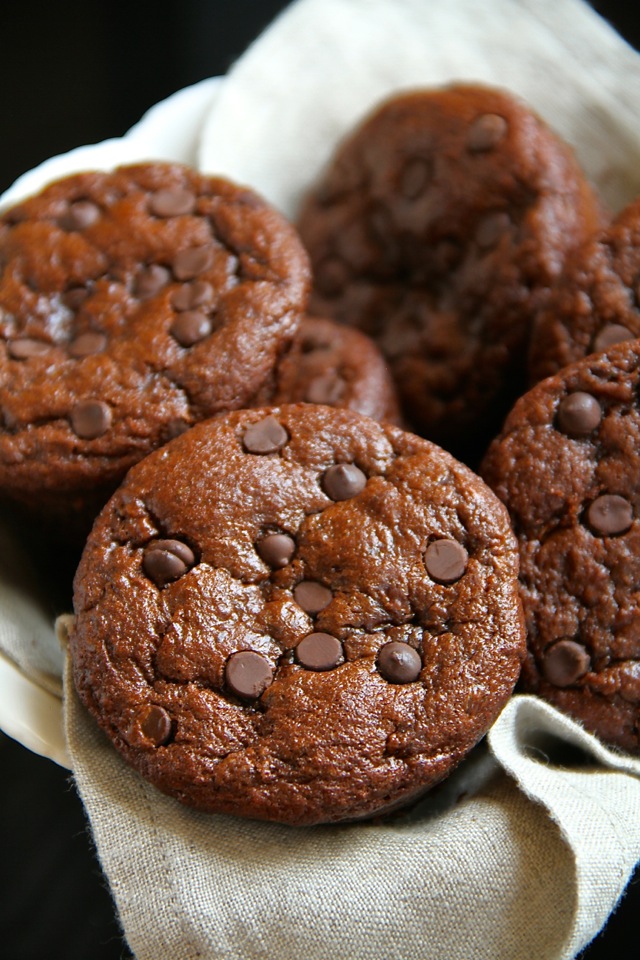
x=565, y=662
x=188, y=296
x=155, y=725
x=164, y=561
x=248, y=674
x=415, y=177
x=312, y=597
x=611, y=334
x=578, y=414
x=265, y=436
x=190, y=327
x=486, y=132
x=88, y=343
x=189, y=263
x=25, y=348
x=609, y=515
x=446, y=560
x=399, y=663
x=80, y=215
x=343, y=481
x=90, y=419
x=276, y=549
x=319, y=651
x=328, y=389
x=150, y=281
x=174, y=202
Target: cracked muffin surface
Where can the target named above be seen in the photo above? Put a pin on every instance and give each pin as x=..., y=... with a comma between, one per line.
x=566, y=466
x=297, y=614
x=133, y=304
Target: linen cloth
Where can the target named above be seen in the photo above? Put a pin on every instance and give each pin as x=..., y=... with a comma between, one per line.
x=524, y=851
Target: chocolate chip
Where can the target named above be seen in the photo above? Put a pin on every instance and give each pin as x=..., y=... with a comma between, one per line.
x=578, y=414
x=155, y=725
x=343, y=481
x=75, y=297
x=565, y=662
x=80, y=215
x=276, y=549
x=166, y=560
x=331, y=276
x=248, y=674
x=265, y=436
x=174, y=202
x=150, y=281
x=319, y=651
x=491, y=228
x=312, y=597
x=611, y=334
x=25, y=348
x=189, y=263
x=90, y=419
x=399, y=663
x=87, y=344
x=414, y=177
x=446, y=560
x=198, y=293
x=486, y=132
x=328, y=389
x=190, y=327
x=609, y=515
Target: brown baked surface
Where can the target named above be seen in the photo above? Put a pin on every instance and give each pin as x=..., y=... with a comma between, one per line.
x=437, y=229
x=567, y=468
x=132, y=305
x=595, y=302
x=337, y=366
x=381, y=538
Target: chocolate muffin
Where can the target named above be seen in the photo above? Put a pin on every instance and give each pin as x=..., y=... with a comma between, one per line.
x=337, y=366
x=438, y=228
x=596, y=302
x=567, y=467
x=132, y=305
x=297, y=614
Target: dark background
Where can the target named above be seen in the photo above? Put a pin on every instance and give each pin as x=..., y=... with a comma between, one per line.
x=74, y=72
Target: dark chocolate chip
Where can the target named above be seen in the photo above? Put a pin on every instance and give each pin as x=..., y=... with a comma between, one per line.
x=565, y=662
x=491, y=228
x=311, y=596
x=414, y=177
x=611, y=334
x=88, y=343
x=327, y=389
x=331, y=276
x=156, y=725
x=609, y=515
x=578, y=414
x=90, y=419
x=190, y=327
x=173, y=202
x=75, y=297
x=189, y=263
x=198, y=293
x=446, y=560
x=276, y=549
x=80, y=215
x=319, y=651
x=25, y=348
x=166, y=560
x=344, y=480
x=486, y=132
x=399, y=663
x=151, y=280
x=248, y=674
x=265, y=436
